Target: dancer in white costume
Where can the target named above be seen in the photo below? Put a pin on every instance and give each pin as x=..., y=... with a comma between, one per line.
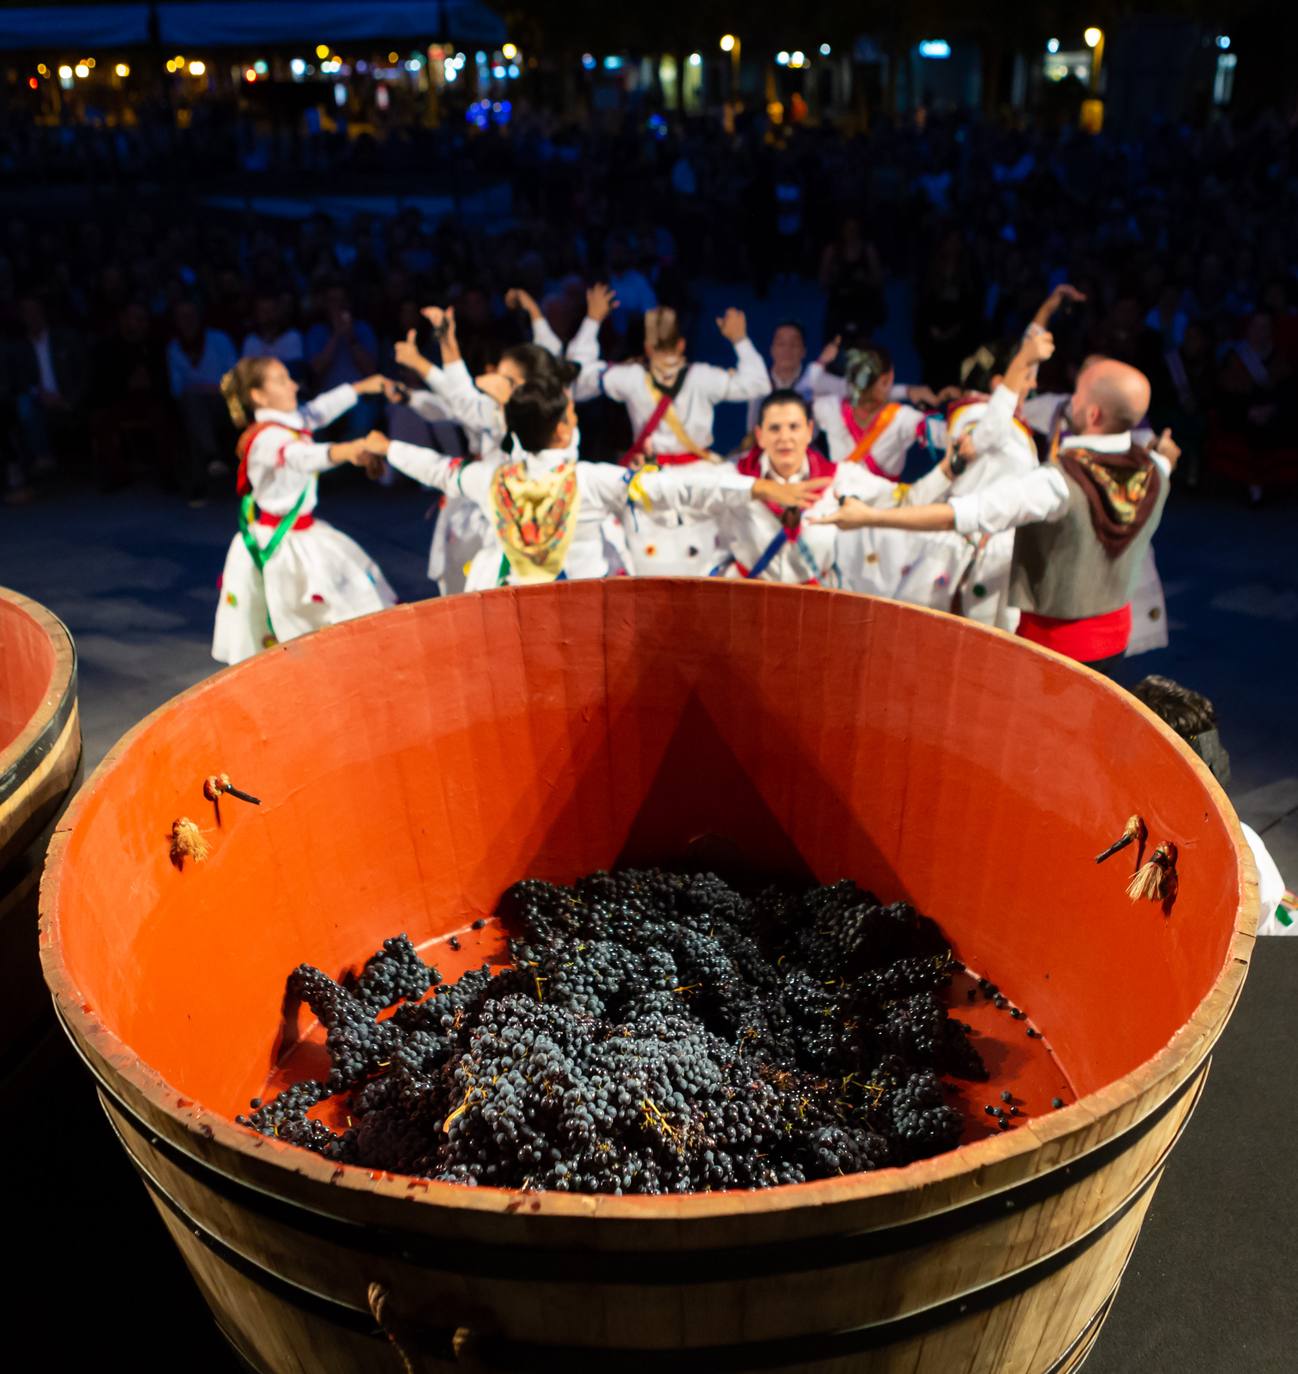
x=772, y=542
x=672, y=404
x=868, y=419
x=547, y=508
x=970, y=574
x=286, y=572
x=476, y=404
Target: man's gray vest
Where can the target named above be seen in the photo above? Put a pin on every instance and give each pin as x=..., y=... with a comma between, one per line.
x=1061, y=570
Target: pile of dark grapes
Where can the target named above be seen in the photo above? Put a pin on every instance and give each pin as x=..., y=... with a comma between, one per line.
x=656, y=1033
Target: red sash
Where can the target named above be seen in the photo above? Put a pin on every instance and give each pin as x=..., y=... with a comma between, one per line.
x=303, y=522
x=242, y=448
x=1091, y=638
x=629, y=458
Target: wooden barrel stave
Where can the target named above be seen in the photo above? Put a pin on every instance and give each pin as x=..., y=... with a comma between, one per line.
x=40, y=763
x=886, y=1288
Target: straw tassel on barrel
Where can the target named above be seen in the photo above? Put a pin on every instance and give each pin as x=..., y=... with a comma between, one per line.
x=1154, y=879
x=187, y=842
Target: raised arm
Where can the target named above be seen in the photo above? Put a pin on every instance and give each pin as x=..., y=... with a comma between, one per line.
x=749, y=379
x=518, y=299
x=1049, y=307
x=408, y=355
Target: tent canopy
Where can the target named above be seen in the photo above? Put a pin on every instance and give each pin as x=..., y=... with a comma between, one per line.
x=237, y=23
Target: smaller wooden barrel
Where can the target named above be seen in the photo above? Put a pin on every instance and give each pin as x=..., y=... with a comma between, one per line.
x=40, y=760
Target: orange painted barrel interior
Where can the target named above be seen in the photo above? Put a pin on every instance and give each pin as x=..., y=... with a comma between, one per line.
x=413, y=765
x=26, y=669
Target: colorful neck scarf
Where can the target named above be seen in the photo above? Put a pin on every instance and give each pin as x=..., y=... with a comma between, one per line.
x=536, y=518
x=1121, y=490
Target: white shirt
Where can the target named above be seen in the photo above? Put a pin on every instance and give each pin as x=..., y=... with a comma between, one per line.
x=890, y=448
x=1270, y=886
x=287, y=347
x=705, y=387
x=604, y=490
x=1040, y=496
x=1003, y=449
x=748, y=530
x=280, y=464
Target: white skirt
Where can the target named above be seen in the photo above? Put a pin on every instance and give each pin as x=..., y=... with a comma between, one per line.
x=948, y=562
x=1148, y=610
x=317, y=577
x=461, y=533
x=877, y=561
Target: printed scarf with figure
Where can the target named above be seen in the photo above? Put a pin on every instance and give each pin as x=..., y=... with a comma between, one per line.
x=1121, y=491
x=535, y=517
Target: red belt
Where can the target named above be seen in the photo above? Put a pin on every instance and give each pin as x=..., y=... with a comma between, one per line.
x=1087, y=640
x=672, y=460
x=810, y=582
x=303, y=522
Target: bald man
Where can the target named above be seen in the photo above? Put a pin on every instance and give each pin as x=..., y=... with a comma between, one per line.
x=1083, y=520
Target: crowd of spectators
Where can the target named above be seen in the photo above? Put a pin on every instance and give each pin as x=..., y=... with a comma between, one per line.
x=119, y=323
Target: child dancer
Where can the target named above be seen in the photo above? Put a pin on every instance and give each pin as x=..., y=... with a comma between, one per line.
x=547, y=509
x=671, y=403
x=287, y=573
x=970, y=573
x=866, y=418
x=477, y=406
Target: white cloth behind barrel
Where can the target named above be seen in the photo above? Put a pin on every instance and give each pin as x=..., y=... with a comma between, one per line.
x=1270, y=887
x=1148, y=610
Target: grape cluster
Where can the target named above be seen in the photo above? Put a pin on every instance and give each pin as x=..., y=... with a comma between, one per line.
x=654, y=1033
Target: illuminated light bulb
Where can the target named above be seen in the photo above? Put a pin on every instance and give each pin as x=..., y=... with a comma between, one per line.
x=1092, y=36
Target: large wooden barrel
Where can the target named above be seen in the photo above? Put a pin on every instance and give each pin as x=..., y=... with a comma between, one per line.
x=414, y=764
x=40, y=754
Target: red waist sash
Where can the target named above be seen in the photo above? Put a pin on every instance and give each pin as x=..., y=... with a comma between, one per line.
x=1086, y=640
x=303, y=522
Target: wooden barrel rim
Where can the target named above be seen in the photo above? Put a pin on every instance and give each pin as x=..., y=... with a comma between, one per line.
x=37, y=739
x=670, y=1268
x=1174, y=1062
x=771, y=1353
